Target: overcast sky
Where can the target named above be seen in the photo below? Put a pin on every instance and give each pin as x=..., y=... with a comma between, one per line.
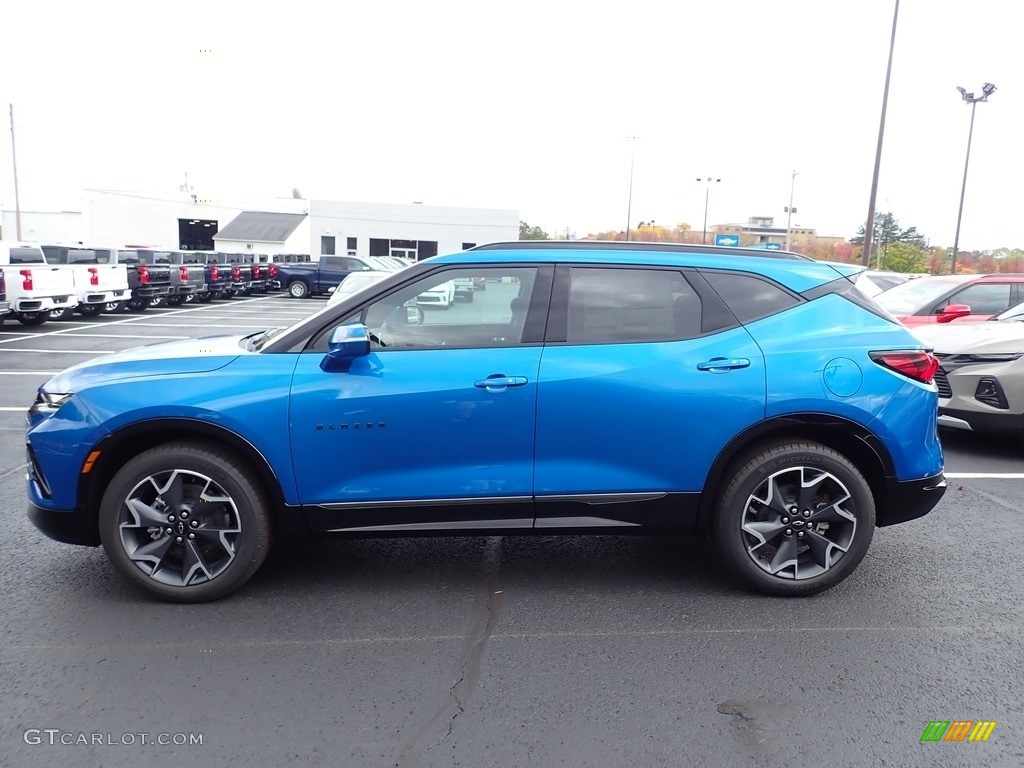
x=527, y=105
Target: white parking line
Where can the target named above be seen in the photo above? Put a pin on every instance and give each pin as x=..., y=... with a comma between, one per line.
x=213, y=326
x=122, y=335
x=64, y=351
x=6, y=409
x=985, y=475
x=28, y=373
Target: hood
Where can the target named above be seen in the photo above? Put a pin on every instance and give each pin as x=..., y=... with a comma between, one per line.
x=166, y=358
x=972, y=338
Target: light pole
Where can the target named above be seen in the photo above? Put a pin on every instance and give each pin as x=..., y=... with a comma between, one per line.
x=790, y=210
x=629, y=205
x=869, y=228
x=986, y=90
x=707, y=194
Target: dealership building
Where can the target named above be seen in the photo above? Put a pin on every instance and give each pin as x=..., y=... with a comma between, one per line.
x=183, y=221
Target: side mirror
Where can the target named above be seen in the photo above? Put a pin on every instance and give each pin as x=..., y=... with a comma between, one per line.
x=332, y=289
x=414, y=314
x=953, y=311
x=347, y=342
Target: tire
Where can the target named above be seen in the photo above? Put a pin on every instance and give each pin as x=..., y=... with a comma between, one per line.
x=298, y=289
x=234, y=514
x=137, y=305
x=175, y=301
x=32, y=318
x=158, y=301
x=62, y=314
x=115, y=307
x=90, y=310
x=757, y=518
x=204, y=298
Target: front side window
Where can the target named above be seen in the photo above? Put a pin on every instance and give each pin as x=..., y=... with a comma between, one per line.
x=983, y=298
x=426, y=314
x=609, y=306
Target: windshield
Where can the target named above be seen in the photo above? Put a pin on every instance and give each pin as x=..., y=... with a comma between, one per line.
x=909, y=297
x=1013, y=314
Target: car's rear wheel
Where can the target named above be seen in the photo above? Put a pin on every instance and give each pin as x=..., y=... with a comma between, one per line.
x=90, y=310
x=115, y=307
x=186, y=523
x=137, y=305
x=32, y=318
x=298, y=289
x=62, y=314
x=796, y=518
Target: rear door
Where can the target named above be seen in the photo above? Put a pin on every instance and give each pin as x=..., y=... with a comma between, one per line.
x=645, y=377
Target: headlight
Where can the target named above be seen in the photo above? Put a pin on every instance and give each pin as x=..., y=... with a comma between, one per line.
x=49, y=402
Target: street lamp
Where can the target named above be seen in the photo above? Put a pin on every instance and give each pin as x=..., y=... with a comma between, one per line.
x=986, y=90
x=790, y=210
x=707, y=193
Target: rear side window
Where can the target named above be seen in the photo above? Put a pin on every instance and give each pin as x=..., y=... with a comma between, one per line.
x=608, y=306
x=750, y=297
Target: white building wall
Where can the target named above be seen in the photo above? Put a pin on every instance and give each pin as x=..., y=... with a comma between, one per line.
x=44, y=226
x=119, y=218
x=449, y=227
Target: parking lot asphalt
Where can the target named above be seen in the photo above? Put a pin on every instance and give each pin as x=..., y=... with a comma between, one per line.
x=506, y=651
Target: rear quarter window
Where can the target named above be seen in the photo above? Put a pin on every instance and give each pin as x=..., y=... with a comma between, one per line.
x=748, y=296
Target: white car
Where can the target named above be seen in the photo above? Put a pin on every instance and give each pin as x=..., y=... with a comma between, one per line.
x=354, y=283
x=442, y=295
x=872, y=282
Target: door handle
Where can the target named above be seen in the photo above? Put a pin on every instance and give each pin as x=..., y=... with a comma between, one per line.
x=723, y=365
x=498, y=382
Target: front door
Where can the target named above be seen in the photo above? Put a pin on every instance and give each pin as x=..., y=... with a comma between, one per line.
x=435, y=428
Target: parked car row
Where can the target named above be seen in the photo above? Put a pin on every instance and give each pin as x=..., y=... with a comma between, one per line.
x=56, y=281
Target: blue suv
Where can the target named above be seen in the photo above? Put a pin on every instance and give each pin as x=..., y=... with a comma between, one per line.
x=755, y=397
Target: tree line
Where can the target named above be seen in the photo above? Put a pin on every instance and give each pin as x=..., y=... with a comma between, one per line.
x=895, y=248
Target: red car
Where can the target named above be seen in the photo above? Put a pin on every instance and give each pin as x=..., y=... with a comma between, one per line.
x=944, y=298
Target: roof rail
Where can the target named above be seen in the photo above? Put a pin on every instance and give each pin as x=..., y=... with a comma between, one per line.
x=631, y=245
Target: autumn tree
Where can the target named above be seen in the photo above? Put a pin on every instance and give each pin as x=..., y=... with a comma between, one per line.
x=526, y=232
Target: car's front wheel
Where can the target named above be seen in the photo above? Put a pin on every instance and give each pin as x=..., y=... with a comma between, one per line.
x=796, y=518
x=185, y=522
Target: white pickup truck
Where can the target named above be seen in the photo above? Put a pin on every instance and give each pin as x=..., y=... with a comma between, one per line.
x=98, y=285
x=34, y=288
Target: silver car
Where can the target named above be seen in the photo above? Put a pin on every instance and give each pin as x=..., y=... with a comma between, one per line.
x=981, y=378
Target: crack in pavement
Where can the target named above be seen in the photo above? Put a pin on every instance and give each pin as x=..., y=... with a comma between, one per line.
x=468, y=665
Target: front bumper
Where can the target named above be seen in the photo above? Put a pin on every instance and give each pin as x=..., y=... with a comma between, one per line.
x=909, y=499
x=67, y=526
x=977, y=421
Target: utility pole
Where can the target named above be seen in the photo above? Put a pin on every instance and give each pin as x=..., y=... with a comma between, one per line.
x=790, y=210
x=14, y=163
x=869, y=227
x=629, y=206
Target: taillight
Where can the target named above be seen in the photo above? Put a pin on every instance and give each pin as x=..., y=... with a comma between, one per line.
x=272, y=271
x=917, y=365
x=183, y=271
x=214, y=273
x=143, y=274
x=94, y=276
x=236, y=272
x=255, y=271
x=26, y=282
